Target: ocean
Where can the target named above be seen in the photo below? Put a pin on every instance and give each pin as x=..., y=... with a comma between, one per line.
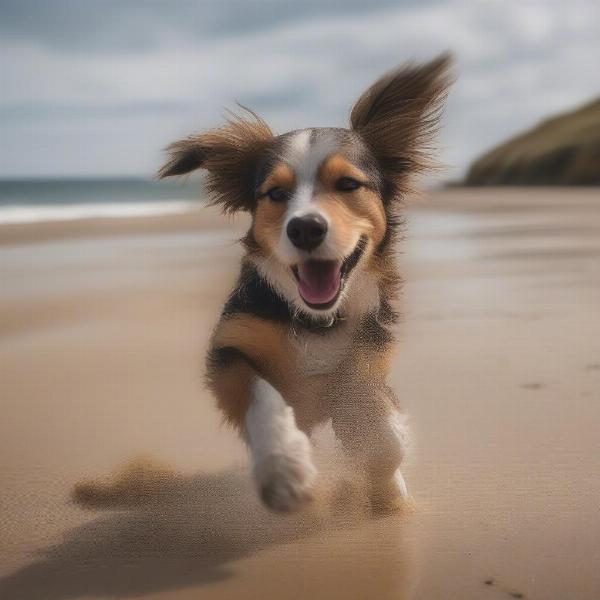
x=35, y=200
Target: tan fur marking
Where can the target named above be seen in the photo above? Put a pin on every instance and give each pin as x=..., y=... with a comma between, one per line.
x=374, y=365
x=275, y=358
x=263, y=342
x=231, y=386
x=385, y=269
x=280, y=176
x=269, y=215
x=350, y=212
x=336, y=167
x=361, y=209
x=268, y=221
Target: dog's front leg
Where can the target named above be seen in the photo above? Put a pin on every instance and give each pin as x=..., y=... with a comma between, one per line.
x=374, y=432
x=281, y=453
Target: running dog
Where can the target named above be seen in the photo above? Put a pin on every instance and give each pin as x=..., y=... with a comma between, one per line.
x=306, y=335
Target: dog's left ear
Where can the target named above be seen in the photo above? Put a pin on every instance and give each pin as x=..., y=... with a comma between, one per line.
x=398, y=116
x=230, y=154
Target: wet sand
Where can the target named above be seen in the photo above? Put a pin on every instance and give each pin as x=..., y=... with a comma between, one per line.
x=103, y=325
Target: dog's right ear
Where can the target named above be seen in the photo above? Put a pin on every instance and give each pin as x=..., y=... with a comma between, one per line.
x=398, y=116
x=230, y=154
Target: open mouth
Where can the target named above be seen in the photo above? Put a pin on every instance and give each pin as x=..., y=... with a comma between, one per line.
x=320, y=282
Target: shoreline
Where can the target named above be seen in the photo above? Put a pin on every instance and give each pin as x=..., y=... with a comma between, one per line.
x=196, y=216
x=194, y=219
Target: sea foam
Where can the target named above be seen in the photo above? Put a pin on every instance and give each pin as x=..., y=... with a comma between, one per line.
x=32, y=213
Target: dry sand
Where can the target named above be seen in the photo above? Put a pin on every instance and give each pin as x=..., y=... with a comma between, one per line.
x=102, y=329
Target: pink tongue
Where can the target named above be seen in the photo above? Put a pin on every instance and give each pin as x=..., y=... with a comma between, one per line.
x=319, y=281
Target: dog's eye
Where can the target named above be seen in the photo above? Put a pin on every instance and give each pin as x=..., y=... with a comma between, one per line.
x=347, y=184
x=277, y=194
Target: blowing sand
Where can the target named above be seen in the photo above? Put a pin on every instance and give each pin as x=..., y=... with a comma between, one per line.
x=103, y=325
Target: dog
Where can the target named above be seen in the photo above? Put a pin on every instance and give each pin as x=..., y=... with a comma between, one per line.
x=306, y=335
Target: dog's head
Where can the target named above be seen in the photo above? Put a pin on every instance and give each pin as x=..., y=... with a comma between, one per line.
x=322, y=200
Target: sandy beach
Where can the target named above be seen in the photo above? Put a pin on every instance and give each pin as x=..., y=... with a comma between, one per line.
x=103, y=327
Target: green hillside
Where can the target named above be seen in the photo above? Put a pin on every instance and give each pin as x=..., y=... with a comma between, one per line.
x=564, y=150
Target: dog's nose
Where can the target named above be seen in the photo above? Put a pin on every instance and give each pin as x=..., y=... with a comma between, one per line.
x=307, y=232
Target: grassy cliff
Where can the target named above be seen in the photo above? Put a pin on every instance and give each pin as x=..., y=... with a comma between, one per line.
x=564, y=150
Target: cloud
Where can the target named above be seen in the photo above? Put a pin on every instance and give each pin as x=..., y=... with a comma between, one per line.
x=100, y=89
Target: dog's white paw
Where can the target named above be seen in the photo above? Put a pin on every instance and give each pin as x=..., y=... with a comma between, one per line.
x=286, y=479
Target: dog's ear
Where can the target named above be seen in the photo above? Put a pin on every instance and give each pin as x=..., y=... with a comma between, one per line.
x=230, y=154
x=398, y=116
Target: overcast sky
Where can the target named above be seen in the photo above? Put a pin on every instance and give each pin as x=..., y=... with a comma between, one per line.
x=99, y=87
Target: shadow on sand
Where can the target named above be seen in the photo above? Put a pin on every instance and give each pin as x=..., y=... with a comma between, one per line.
x=165, y=532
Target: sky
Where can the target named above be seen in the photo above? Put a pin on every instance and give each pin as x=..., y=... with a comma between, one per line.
x=98, y=88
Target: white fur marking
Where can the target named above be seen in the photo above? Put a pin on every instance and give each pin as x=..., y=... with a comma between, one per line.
x=281, y=453
x=399, y=427
x=306, y=158
x=400, y=484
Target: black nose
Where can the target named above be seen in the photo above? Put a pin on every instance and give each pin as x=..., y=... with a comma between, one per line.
x=307, y=232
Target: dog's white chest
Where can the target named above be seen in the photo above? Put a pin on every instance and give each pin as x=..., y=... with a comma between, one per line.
x=321, y=353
